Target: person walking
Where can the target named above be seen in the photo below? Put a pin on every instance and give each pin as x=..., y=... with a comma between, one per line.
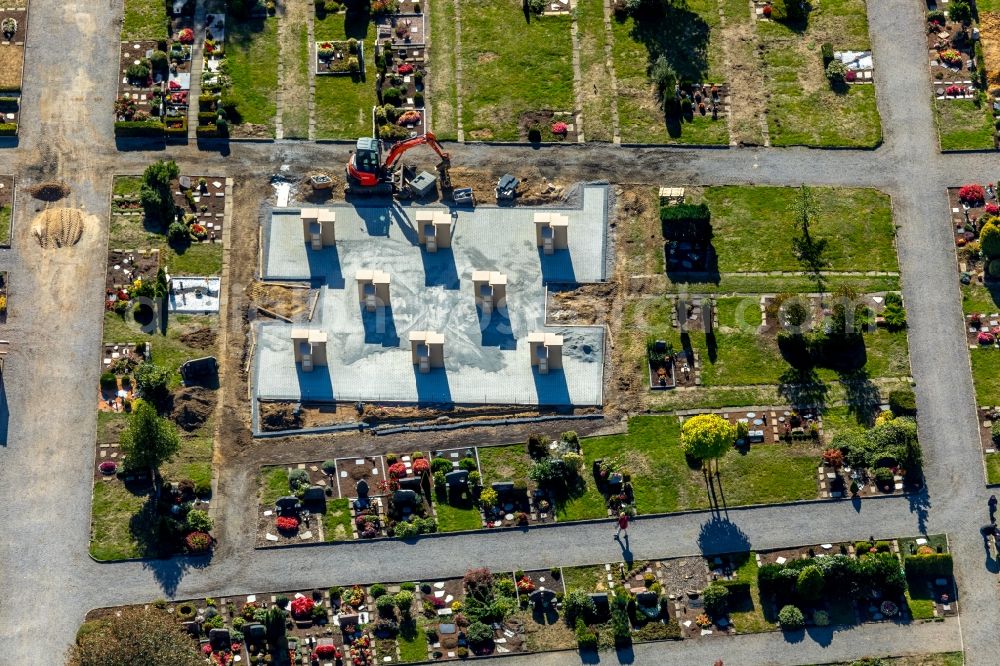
x=992, y=503
x=622, y=525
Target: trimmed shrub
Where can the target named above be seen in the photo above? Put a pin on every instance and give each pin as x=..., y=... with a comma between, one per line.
x=538, y=446
x=933, y=565
x=791, y=618
x=479, y=634
x=386, y=606
x=577, y=606
x=995, y=432
x=298, y=477
x=716, y=599
x=827, y=52
x=903, y=402
x=586, y=639
x=132, y=128
x=810, y=583
x=441, y=465
x=686, y=222
x=377, y=591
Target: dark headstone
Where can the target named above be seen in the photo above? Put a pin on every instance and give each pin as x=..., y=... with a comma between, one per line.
x=404, y=498
x=361, y=487
x=647, y=598
x=707, y=315
x=255, y=632
x=219, y=639
x=410, y=483
x=601, y=603
x=288, y=503
x=199, y=369
x=682, y=314
x=460, y=477
x=614, y=483
x=348, y=621
x=503, y=487
x=314, y=495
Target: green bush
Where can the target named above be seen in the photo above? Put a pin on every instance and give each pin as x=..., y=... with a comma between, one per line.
x=895, y=317
x=8, y=129
x=621, y=629
x=386, y=606
x=810, y=583
x=405, y=530
x=686, y=221
x=791, y=618
x=207, y=117
x=586, y=639
x=836, y=74
x=208, y=131
x=934, y=565
x=538, y=446
x=377, y=591
x=995, y=432
x=403, y=600
x=994, y=268
x=206, y=102
x=903, y=402
x=198, y=521
x=862, y=547
x=716, y=598
x=9, y=104
x=658, y=631
x=133, y=128
x=883, y=476
x=821, y=618
x=151, y=381
x=408, y=586
x=827, y=52
x=109, y=382
x=442, y=465
x=298, y=478
x=960, y=11
x=468, y=464
x=536, y=6
x=577, y=605
x=478, y=634
x=329, y=467
x=989, y=241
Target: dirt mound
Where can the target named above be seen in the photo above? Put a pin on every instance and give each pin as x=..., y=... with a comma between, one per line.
x=203, y=338
x=279, y=417
x=49, y=191
x=193, y=406
x=58, y=227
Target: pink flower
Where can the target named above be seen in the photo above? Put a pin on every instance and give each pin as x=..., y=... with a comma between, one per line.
x=559, y=128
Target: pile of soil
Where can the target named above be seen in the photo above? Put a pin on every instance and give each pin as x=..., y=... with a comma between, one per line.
x=203, y=338
x=58, y=227
x=49, y=191
x=193, y=406
x=279, y=417
x=989, y=26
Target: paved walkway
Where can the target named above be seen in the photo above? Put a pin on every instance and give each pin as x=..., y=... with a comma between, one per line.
x=55, y=321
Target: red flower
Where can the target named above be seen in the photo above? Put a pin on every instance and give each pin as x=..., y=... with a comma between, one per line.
x=972, y=194
x=767, y=11
x=993, y=209
x=186, y=36
x=985, y=338
x=207, y=649
x=525, y=585
x=325, y=652
x=560, y=127
x=302, y=606
x=421, y=466
x=405, y=68
x=397, y=470
x=286, y=523
x=198, y=542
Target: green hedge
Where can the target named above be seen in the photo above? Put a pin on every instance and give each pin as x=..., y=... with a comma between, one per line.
x=934, y=565
x=139, y=128
x=8, y=129
x=737, y=588
x=206, y=102
x=9, y=104
x=207, y=117
x=208, y=131
x=686, y=221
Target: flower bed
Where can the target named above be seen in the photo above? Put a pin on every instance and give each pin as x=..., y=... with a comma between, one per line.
x=340, y=57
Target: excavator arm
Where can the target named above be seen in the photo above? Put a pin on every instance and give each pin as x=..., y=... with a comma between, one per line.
x=400, y=148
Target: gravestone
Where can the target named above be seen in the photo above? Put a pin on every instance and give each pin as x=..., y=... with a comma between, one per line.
x=601, y=603
x=289, y=504
x=648, y=603
x=682, y=309
x=542, y=598
x=314, y=495
x=457, y=479
x=707, y=313
x=219, y=639
x=255, y=632
x=410, y=483
x=403, y=499
x=361, y=487
x=614, y=483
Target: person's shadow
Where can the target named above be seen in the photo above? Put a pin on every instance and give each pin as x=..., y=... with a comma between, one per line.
x=627, y=555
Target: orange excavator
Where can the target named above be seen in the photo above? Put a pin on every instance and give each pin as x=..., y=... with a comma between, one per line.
x=367, y=173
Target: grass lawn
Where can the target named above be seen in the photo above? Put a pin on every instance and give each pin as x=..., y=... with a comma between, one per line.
x=115, y=516
x=131, y=232
x=935, y=659
x=144, y=19
x=741, y=357
x=5, y=212
x=592, y=578
x=455, y=518
x=597, y=100
x=442, y=85
x=344, y=104
x=980, y=298
x=664, y=482
x=512, y=66
x=985, y=373
x=748, y=618
x=252, y=59
x=168, y=350
x=993, y=468
x=736, y=283
x=962, y=125
x=921, y=608
x=637, y=45
x=753, y=228
x=803, y=110
x=412, y=641
x=121, y=528
x=273, y=484
x=504, y=463
x=295, y=119
x=336, y=520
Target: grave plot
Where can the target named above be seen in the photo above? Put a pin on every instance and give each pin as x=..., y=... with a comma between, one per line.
x=139, y=98
x=458, y=489
x=202, y=207
x=6, y=207
x=118, y=388
x=13, y=29
x=963, y=117
x=343, y=104
x=524, y=485
x=402, y=91
x=299, y=504
x=251, y=57
x=212, y=80
x=125, y=268
x=3, y=297
x=340, y=57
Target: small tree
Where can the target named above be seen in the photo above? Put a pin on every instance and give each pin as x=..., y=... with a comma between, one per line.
x=135, y=636
x=960, y=11
x=716, y=599
x=707, y=437
x=791, y=618
x=836, y=74
x=989, y=240
x=156, y=194
x=665, y=79
x=810, y=583
x=148, y=441
x=151, y=381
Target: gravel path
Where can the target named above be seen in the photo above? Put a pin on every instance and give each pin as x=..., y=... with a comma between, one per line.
x=47, y=581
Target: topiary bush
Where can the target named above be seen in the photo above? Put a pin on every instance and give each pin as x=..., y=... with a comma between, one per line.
x=377, y=591
x=386, y=606
x=903, y=402
x=716, y=598
x=479, y=634
x=810, y=583
x=791, y=618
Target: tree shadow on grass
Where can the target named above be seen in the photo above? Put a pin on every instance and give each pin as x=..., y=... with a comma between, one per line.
x=677, y=33
x=802, y=387
x=862, y=395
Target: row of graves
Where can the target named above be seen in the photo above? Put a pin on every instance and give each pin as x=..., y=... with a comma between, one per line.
x=951, y=47
x=669, y=369
x=212, y=79
x=401, y=62
x=13, y=30
x=155, y=80
x=486, y=614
